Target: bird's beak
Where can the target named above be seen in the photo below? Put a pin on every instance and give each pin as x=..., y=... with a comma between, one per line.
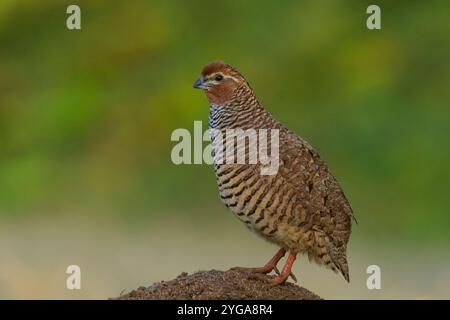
x=200, y=83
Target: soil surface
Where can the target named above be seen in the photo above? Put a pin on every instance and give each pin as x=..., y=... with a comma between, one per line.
x=219, y=285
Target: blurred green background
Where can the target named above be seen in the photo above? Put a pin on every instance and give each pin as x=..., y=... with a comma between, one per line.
x=86, y=118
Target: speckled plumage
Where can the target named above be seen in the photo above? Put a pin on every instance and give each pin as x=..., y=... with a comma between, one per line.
x=301, y=208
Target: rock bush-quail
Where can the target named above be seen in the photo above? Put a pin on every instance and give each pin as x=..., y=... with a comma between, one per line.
x=301, y=208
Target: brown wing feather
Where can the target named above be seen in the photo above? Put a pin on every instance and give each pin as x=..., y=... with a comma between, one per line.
x=327, y=209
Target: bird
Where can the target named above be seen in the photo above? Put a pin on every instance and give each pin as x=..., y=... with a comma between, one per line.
x=301, y=208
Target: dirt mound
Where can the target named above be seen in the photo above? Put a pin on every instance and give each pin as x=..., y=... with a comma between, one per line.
x=219, y=285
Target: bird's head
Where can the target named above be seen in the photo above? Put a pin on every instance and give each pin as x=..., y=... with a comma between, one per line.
x=220, y=81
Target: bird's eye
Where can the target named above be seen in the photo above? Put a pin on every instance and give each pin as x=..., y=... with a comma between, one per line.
x=219, y=77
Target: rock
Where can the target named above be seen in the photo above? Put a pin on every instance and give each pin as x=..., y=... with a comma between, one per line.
x=219, y=285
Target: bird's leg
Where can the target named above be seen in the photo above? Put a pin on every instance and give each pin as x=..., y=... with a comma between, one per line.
x=269, y=266
x=281, y=278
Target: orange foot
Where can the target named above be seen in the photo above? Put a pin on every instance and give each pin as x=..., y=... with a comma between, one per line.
x=268, y=267
x=283, y=276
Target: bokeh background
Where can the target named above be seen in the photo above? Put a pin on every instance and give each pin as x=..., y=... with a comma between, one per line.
x=86, y=117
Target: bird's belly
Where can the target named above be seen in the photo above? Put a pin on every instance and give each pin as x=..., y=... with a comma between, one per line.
x=264, y=203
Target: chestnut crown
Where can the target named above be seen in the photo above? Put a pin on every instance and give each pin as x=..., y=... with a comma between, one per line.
x=219, y=80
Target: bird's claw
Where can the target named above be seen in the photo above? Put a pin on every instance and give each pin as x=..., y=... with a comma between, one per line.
x=293, y=277
x=239, y=269
x=263, y=270
x=260, y=276
x=272, y=280
x=276, y=270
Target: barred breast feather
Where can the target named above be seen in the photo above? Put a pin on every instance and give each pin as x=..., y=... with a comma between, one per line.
x=300, y=208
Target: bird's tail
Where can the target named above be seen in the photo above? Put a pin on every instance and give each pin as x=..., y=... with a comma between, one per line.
x=343, y=268
x=330, y=255
x=339, y=259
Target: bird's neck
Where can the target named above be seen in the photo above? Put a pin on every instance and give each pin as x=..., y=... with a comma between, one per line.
x=239, y=112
